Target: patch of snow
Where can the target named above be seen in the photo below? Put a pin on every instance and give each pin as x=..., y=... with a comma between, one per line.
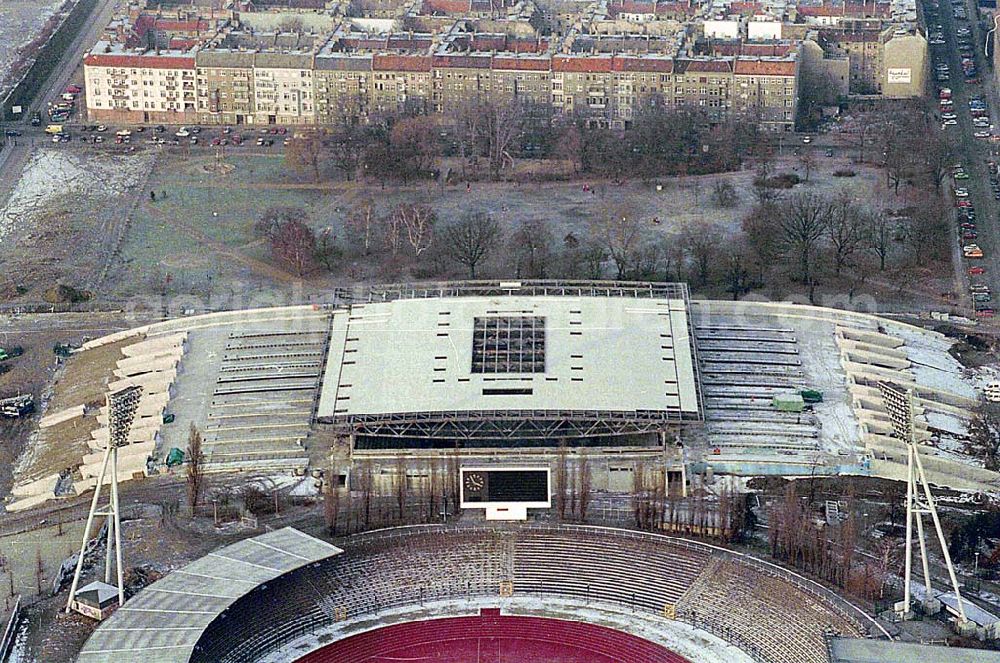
x=23, y=21
x=52, y=174
x=932, y=366
x=951, y=449
x=947, y=422
x=308, y=487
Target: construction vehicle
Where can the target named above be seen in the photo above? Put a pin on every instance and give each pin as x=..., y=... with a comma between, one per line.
x=17, y=406
x=15, y=351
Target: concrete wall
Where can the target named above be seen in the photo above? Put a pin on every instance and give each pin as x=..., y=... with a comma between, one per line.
x=904, y=66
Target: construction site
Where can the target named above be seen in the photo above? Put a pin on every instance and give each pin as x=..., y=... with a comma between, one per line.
x=759, y=389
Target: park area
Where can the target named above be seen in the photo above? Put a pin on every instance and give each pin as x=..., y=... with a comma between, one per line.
x=200, y=237
x=182, y=230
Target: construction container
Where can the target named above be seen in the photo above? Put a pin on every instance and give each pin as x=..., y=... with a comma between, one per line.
x=788, y=403
x=811, y=396
x=175, y=457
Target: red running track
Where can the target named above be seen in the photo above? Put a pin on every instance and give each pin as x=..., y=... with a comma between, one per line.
x=492, y=638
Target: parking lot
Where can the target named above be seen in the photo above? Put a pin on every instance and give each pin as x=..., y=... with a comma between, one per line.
x=964, y=105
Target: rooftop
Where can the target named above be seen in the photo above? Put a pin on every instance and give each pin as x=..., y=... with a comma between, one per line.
x=186, y=601
x=612, y=353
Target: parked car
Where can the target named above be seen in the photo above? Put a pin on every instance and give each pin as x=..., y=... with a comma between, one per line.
x=977, y=271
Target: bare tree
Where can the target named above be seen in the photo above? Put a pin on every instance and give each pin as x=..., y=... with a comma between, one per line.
x=500, y=124
x=194, y=467
x=347, y=146
x=530, y=249
x=584, y=486
x=879, y=231
x=273, y=217
x=808, y=163
x=724, y=194
x=327, y=250
x=984, y=435
x=845, y=230
x=701, y=245
x=331, y=501
x=295, y=246
x=569, y=145
x=802, y=220
x=418, y=222
x=414, y=145
x=362, y=221
x=938, y=158
x=366, y=480
x=392, y=235
x=402, y=490
x=471, y=239
x=454, y=475
x=619, y=230
x=737, y=276
x=302, y=152
x=763, y=184
x=562, y=479
x=762, y=238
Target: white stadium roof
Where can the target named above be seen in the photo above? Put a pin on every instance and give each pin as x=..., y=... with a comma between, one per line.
x=604, y=353
x=163, y=622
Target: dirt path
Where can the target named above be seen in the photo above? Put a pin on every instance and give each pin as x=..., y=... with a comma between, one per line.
x=259, y=266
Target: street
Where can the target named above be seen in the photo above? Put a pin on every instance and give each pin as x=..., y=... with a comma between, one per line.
x=972, y=153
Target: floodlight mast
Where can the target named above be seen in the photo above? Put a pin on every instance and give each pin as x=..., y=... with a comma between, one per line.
x=899, y=406
x=122, y=406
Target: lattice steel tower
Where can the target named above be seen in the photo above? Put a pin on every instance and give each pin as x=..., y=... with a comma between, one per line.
x=122, y=406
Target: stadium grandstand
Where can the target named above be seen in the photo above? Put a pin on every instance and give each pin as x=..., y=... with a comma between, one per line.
x=509, y=372
x=284, y=596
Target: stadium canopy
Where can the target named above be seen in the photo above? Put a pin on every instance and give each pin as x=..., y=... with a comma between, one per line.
x=163, y=622
x=489, y=359
x=855, y=650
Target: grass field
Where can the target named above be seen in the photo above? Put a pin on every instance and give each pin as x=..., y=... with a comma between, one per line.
x=200, y=236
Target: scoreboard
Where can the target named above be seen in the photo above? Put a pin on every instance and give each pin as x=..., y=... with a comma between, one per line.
x=492, y=487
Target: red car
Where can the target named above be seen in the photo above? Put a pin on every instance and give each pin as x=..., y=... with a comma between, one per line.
x=976, y=271
x=968, y=226
x=969, y=234
x=984, y=313
x=74, y=89
x=963, y=203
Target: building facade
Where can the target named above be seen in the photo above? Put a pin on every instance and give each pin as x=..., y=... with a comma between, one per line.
x=235, y=88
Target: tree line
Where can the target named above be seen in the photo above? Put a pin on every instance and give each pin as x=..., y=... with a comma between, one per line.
x=658, y=141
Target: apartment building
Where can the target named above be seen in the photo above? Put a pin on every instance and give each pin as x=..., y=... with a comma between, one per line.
x=231, y=88
x=148, y=88
x=891, y=62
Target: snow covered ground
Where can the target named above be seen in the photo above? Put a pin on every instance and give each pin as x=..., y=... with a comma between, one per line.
x=51, y=174
x=932, y=365
x=22, y=21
